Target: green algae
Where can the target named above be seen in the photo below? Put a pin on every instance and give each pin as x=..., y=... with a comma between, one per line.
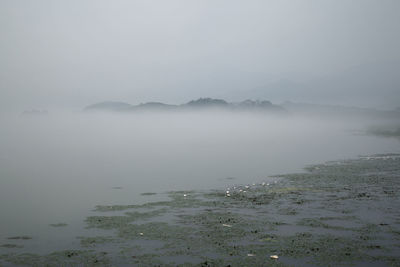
x=321, y=250
x=113, y=222
x=314, y=222
x=148, y=259
x=115, y=207
x=60, y=258
x=229, y=226
x=93, y=241
x=154, y=231
x=325, y=216
x=107, y=222
x=217, y=228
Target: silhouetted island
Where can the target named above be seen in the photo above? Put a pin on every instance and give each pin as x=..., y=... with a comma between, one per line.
x=201, y=104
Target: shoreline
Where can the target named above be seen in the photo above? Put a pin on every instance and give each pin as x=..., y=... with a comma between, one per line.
x=335, y=213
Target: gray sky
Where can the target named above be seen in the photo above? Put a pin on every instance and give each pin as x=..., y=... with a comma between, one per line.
x=73, y=53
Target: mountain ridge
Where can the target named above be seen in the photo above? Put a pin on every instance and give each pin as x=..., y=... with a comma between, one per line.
x=197, y=104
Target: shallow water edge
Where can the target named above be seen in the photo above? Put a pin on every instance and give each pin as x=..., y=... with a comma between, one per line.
x=338, y=213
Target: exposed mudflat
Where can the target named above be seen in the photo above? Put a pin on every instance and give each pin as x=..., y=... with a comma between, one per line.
x=334, y=214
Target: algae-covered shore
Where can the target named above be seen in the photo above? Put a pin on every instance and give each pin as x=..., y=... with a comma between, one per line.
x=341, y=213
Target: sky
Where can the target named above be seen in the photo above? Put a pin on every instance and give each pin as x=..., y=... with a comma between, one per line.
x=77, y=52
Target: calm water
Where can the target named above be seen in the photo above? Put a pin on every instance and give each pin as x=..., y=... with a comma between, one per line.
x=56, y=168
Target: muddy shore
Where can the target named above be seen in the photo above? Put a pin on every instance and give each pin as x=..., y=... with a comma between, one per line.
x=341, y=213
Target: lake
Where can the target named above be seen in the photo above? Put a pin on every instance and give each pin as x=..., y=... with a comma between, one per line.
x=56, y=168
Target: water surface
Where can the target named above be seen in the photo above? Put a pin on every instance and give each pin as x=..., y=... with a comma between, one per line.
x=57, y=168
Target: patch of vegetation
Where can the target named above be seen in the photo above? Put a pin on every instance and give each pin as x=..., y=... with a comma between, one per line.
x=113, y=222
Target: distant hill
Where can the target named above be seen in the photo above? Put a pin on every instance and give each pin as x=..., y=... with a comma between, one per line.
x=201, y=103
x=261, y=106
x=207, y=102
x=373, y=84
x=154, y=106
x=258, y=105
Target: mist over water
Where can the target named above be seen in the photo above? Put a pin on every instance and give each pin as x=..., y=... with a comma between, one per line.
x=127, y=102
x=58, y=167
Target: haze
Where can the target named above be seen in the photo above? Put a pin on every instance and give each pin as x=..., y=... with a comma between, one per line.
x=68, y=54
x=240, y=92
